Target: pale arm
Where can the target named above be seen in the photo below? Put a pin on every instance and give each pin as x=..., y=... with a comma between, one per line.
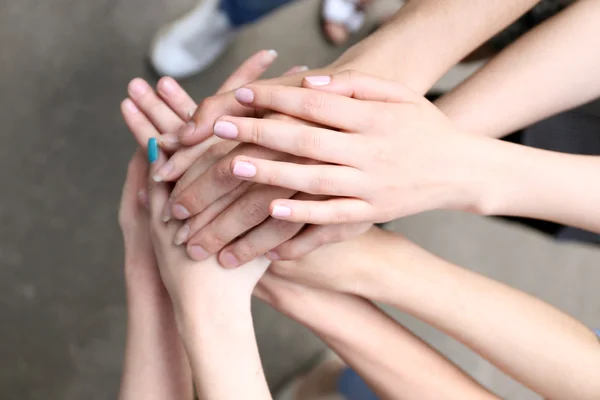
x=394, y=362
x=427, y=37
x=551, y=69
x=543, y=348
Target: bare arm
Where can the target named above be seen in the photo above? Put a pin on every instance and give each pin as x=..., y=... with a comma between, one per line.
x=551, y=69
x=394, y=362
x=426, y=37
x=543, y=348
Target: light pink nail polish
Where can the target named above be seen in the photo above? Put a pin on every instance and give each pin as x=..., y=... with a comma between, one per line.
x=225, y=130
x=180, y=212
x=272, y=255
x=198, y=253
x=244, y=169
x=281, y=211
x=318, y=80
x=244, y=95
x=230, y=260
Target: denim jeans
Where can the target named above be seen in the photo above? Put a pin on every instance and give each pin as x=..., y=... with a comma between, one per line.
x=242, y=12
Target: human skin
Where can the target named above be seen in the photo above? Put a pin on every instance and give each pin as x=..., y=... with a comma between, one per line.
x=424, y=39
x=548, y=70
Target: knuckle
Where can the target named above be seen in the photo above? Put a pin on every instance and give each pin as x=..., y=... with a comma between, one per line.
x=190, y=200
x=223, y=174
x=309, y=140
x=323, y=184
x=314, y=103
x=286, y=229
x=253, y=213
x=210, y=240
x=256, y=132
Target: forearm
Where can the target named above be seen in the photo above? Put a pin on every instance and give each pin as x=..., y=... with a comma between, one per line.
x=155, y=365
x=390, y=358
x=540, y=346
x=519, y=181
x=427, y=37
x=220, y=343
x=551, y=69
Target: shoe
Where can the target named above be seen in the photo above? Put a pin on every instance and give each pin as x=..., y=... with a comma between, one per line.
x=192, y=43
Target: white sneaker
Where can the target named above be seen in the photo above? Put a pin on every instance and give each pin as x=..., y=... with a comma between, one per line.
x=192, y=43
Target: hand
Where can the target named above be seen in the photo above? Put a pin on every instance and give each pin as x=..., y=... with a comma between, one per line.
x=222, y=222
x=155, y=365
x=192, y=284
x=393, y=154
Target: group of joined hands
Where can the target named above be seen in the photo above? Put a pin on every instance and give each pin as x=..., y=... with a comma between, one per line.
x=275, y=172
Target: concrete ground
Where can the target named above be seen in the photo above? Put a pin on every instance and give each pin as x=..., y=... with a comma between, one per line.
x=64, y=67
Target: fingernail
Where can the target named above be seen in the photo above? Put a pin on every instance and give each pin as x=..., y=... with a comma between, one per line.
x=244, y=169
x=270, y=57
x=272, y=255
x=137, y=87
x=152, y=150
x=143, y=197
x=190, y=114
x=303, y=68
x=281, y=211
x=131, y=107
x=225, y=130
x=168, y=140
x=163, y=172
x=244, y=95
x=166, y=213
x=318, y=80
x=198, y=253
x=167, y=86
x=182, y=235
x=180, y=212
x=230, y=260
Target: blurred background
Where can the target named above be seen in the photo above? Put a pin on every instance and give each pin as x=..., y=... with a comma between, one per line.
x=64, y=67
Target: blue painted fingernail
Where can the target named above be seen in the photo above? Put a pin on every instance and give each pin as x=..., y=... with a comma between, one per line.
x=152, y=150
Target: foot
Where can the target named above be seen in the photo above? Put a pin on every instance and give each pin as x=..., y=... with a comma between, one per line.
x=191, y=44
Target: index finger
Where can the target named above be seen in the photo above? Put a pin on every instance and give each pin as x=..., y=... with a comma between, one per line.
x=223, y=102
x=324, y=108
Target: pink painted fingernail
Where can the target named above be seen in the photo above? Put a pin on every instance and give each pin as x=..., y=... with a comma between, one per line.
x=188, y=129
x=244, y=95
x=180, y=212
x=272, y=255
x=163, y=172
x=198, y=253
x=166, y=213
x=244, y=169
x=318, y=80
x=182, y=235
x=225, y=130
x=281, y=211
x=230, y=260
